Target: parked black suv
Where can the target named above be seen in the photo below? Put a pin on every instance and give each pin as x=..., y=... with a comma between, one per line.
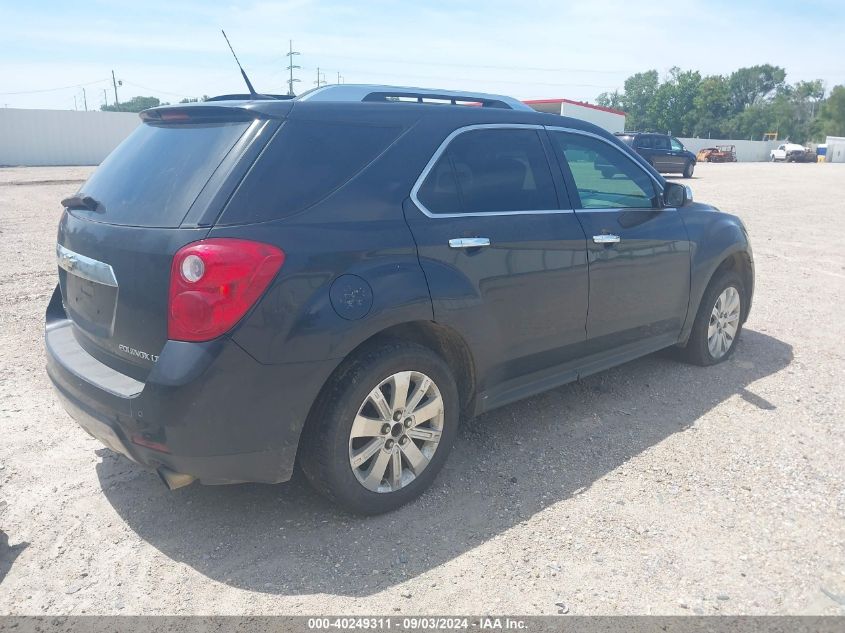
x=665, y=153
x=338, y=278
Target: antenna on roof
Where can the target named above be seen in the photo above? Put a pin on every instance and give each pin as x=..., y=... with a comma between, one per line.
x=252, y=92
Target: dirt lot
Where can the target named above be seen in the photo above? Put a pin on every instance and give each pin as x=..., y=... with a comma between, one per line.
x=655, y=487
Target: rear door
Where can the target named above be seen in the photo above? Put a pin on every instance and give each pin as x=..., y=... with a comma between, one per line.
x=118, y=235
x=505, y=261
x=644, y=145
x=662, y=153
x=639, y=252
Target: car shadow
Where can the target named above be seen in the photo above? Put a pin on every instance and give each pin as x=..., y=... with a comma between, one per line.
x=8, y=554
x=505, y=467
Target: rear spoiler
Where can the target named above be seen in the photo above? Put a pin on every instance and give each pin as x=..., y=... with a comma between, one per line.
x=199, y=114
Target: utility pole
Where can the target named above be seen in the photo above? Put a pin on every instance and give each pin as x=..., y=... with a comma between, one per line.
x=339, y=77
x=321, y=78
x=85, y=99
x=74, y=103
x=114, y=83
x=105, y=97
x=291, y=66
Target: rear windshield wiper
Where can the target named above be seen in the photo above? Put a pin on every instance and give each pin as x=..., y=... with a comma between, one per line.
x=83, y=202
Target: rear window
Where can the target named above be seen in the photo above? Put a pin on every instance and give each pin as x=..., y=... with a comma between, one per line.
x=304, y=163
x=154, y=176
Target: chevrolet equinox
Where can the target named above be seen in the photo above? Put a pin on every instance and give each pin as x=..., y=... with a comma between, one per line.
x=335, y=280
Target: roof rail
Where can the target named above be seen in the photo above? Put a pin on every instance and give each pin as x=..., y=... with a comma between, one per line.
x=388, y=94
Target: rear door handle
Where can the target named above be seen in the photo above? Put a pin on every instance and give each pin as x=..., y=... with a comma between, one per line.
x=469, y=242
x=606, y=239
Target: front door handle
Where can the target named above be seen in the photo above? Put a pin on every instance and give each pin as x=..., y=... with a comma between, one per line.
x=606, y=239
x=469, y=242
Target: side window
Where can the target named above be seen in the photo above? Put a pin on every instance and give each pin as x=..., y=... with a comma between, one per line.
x=604, y=176
x=645, y=142
x=489, y=171
x=676, y=145
x=661, y=142
x=302, y=165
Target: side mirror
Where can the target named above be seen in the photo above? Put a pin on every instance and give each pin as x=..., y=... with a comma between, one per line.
x=676, y=195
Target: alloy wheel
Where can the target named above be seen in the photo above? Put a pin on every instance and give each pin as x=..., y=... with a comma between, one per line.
x=396, y=431
x=724, y=322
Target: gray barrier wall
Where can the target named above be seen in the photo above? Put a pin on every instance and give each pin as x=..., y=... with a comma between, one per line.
x=746, y=151
x=61, y=137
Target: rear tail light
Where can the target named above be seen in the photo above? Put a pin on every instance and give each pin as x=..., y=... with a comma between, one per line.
x=213, y=283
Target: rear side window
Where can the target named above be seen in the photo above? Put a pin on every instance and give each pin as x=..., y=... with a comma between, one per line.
x=304, y=163
x=489, y=171
x=661, y=142
x=154, y=176
x=645, y=142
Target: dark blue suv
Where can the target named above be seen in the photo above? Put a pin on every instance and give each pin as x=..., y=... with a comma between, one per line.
x=337, y=279
x=663, y=152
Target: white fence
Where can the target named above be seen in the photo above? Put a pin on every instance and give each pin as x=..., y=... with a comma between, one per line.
x=746, y=151
x=61, y=137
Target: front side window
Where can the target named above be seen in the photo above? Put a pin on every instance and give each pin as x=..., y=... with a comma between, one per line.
x=676, y=145
x=490, y=171
x=604, y=176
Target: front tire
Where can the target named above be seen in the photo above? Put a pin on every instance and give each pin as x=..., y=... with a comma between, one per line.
x=718, y=322
x=382, y=429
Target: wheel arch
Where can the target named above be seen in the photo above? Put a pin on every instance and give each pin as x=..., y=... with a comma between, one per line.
x=736, y=259
x=442, y=340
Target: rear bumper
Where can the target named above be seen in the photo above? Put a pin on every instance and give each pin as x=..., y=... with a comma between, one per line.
x=218, y=414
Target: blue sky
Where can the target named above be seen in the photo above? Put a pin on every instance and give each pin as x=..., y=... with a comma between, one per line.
x=534, y=49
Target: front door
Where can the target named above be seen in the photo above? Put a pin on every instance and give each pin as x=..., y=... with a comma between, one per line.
x=639, y=252
x=505, y=264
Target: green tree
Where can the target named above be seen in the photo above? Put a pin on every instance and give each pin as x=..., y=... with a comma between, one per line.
x=751, y=86
x=610, y=100
x=639, y=100
x=135, y=104
x=673, y=109
x=711, y=108
x=831, y=119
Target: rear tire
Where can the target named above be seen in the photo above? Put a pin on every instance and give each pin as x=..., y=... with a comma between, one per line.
x=713, y=338
x=688, y=169
x=361, y=448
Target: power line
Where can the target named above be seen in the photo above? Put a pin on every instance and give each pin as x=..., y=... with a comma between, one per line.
x=29, y=92
x=475, y=79
x=417, y=62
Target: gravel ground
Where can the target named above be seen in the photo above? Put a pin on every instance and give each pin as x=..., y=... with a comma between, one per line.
x=653, y=488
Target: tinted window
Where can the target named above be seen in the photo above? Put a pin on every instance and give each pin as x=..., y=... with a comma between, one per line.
x=645, y=142
x=626, y=138
x=304, y=163
x=154, y=176
x=604, y=176
x=661, y=142
x=491, y=170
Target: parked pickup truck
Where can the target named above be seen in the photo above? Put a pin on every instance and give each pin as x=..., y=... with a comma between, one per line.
x=792, y=153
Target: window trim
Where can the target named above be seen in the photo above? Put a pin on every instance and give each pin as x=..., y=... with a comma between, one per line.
x=442, y=148
x=517, y=126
